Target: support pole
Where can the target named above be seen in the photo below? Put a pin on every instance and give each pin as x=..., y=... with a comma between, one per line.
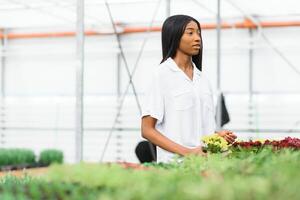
x=251, y=66
x=4, y=41
x=168, y=8
x=252, y=115
x=219, y=108
x=3, y=62
x=79, y=81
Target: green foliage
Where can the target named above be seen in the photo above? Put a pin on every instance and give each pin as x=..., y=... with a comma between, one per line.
x=50, y=156
x=243, y=175
x=265, y=174
x=16, y=157
x=12, y=188
x=215, y=143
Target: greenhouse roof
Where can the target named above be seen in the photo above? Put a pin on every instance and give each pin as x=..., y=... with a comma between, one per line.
x=56, y=13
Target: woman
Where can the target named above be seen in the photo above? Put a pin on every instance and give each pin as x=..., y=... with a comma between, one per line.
x=178, y=109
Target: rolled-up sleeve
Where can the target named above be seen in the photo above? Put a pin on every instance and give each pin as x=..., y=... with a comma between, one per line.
x=153, y=102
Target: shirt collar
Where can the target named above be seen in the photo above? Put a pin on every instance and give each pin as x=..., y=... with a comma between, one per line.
x=173, y=66
x=196, y=70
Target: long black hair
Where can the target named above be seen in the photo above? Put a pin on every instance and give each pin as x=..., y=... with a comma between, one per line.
x=172, y=31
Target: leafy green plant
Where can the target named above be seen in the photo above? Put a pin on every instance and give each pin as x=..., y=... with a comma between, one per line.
x=266, y=174
x=16, y=157
x=214, y=143
x=50, y=156
x=35, y=189
x=244, y=175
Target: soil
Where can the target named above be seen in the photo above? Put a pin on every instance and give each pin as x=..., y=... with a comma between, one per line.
x=32, y=172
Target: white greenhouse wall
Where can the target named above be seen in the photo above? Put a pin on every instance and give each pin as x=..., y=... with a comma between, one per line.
x=38, y=111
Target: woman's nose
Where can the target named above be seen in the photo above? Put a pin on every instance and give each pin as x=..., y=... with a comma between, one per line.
x=197, y=38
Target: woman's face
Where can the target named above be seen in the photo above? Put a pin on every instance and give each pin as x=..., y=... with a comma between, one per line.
x=190, y=42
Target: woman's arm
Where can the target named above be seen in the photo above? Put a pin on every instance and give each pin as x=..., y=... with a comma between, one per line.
x=150, y=133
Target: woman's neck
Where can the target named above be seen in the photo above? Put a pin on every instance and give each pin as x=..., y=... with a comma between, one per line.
x=183, y=61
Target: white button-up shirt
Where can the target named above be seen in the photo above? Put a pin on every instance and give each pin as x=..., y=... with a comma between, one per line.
x=184, y=108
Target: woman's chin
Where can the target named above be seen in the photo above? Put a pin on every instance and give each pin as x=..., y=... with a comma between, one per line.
x=195, y=53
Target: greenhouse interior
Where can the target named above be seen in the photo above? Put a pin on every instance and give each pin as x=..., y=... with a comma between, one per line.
x=74, y=76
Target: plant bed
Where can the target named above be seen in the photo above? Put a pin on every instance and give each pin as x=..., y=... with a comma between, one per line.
x=34, y=172
x=36, y=189
x=18, y=159
x=255, y=146
x=50, y=156
x=21, y=167
x=265, y=174
x=135, y=166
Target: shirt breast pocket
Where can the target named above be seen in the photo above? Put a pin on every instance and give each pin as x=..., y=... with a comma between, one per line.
x=208, y=104
x=183, y=99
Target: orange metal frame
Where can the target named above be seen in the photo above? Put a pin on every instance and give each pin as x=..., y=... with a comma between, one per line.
x=246, y=24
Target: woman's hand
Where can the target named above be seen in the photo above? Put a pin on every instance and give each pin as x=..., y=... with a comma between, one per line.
x=227, y=135
x=197, y=151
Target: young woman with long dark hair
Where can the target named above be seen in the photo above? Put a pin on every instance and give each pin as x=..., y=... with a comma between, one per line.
x=178, y=108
